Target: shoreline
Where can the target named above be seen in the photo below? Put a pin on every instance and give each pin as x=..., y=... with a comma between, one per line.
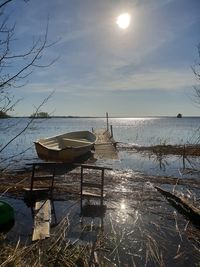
x=100, y=117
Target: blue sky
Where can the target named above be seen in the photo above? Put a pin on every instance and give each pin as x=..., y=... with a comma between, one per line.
x=144, y=70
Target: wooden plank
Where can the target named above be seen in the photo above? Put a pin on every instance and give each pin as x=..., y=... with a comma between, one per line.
x=39, y=189
x=42, y=220
x=182, y=204
x=105, y=147
x=91, y=194
x=93, y=167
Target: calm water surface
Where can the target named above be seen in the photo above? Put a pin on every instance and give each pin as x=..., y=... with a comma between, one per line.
x=128, y=131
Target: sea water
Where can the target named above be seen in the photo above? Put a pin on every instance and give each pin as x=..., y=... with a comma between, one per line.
x=146, y=131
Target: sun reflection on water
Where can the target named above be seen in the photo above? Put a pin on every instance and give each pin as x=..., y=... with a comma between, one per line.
x=122, y=214
x=122, y=206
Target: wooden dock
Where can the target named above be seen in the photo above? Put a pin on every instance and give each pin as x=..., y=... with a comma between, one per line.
x=105, y=146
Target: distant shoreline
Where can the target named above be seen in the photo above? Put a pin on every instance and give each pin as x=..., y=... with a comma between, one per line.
x=98, y=117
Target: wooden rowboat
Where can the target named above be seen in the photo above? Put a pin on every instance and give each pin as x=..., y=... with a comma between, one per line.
x=65, y=147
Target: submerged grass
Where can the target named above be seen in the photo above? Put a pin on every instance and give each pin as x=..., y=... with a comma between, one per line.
x=55, y=251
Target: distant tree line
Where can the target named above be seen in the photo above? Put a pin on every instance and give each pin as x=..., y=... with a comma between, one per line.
x=3, y=114
x=41, y=114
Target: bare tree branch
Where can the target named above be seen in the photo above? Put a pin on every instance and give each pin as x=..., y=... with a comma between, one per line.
x=8, y=1
x=5, y=3
x=28, y=124
x=16, y=67
x=196, y=71
x=35, y=51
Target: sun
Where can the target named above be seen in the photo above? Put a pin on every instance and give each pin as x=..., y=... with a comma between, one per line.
x=123, y=21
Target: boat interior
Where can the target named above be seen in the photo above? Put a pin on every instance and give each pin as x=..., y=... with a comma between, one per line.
x=61, y=143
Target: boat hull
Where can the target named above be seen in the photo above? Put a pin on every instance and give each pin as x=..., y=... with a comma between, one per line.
x=65, y=148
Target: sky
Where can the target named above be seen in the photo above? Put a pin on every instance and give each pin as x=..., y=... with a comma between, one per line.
x=143, y=70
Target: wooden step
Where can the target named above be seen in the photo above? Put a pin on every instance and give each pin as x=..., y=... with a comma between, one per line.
x=92, y=167
x=39, y=189
x=94, y=185
x=91, y=194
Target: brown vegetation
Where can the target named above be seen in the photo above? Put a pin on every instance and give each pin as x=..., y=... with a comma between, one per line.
x=187, y=150
x=153, y=223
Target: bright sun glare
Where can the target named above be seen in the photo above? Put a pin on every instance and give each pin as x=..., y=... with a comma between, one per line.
x=123, y=21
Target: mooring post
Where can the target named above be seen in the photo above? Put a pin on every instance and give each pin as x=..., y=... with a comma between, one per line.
x=81, y=188
x=107, y=121
x=111, y=130
x=102, y=186
x=184, y=157
x=32, y=179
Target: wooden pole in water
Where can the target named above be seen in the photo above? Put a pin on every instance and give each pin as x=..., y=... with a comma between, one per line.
x=111, y=130
x=184, y=157
x=107, y=121
x=102, y=185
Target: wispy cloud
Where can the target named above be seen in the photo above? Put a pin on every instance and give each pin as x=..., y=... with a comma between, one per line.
x=161, y=79
x=96, y=58
x=108, y=82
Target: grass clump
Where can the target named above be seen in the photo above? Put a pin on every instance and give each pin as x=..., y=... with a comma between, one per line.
x=54, y=251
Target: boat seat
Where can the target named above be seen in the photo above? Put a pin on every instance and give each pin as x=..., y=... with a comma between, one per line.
x=49, y=141
x=54, y=146
x=76, y=140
